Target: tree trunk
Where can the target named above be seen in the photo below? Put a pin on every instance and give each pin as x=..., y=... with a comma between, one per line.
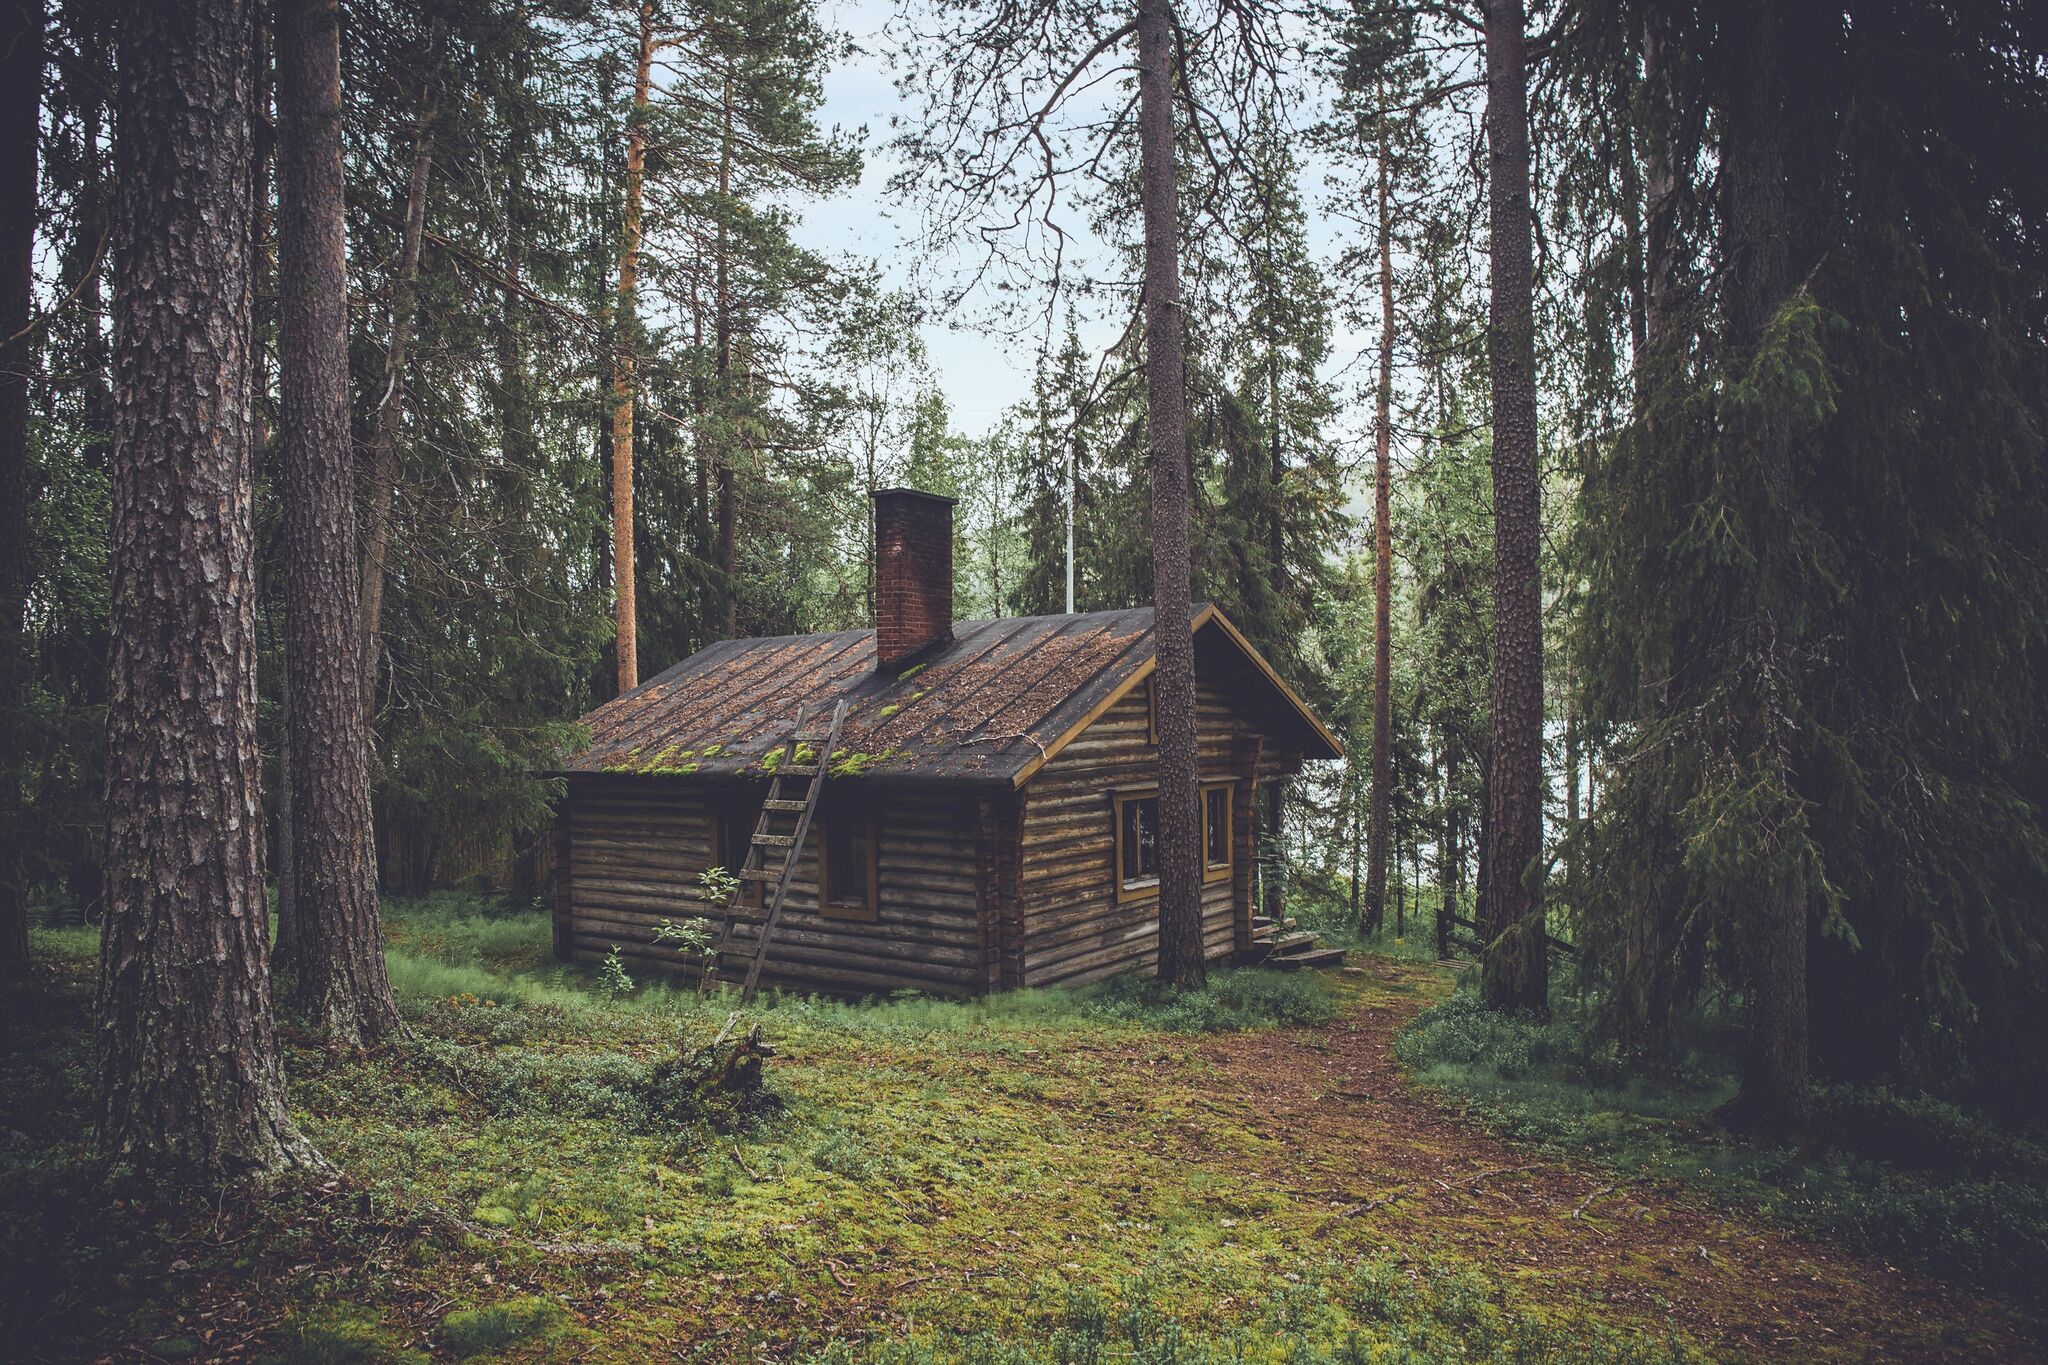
x=625, y=604
x=1660, y=196
x=1448, y=855
x=1382, y=573
x=1775, y=1070
x=1356, y=818
x=1180, y=879
x=1514, y=967
x=728, y=562
x=189, y=1079
x=21, y=85
x=333, y=977
x=383, y=445
x=1642, y=970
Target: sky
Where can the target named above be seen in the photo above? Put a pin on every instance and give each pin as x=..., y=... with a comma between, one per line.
x=981, y=375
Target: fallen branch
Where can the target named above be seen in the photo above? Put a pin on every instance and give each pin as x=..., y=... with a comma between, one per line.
x=1485, y=1176
x=1580, y=1211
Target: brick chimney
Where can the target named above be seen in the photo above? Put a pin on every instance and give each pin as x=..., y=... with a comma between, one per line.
x=913, y=574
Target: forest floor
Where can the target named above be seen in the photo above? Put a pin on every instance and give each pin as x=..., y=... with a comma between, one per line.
x=1047, y=1176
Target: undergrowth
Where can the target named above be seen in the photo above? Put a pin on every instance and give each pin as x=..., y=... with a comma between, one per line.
x=1905, y=1177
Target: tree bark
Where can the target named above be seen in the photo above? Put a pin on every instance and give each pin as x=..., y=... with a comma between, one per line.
x=333, y=977
x=1642, y=998
x=21, y=85
x=382, y=455
x=722, y=324
x=189, y=1079
x=1514, y=971
x=1775, y=1071
x=1180, y=879
x=624, y=603
x=1382, y=572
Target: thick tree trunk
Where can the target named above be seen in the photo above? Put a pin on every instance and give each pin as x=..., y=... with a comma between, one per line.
x=1643, y=968
x=382, y=455
x=1180, y=877
x=1660, y=196
x=625, y=606
x=1775, y=1072
x=1514, y=967
x=188, y=1074
x=333, y=976
x=1382, y=573
x=21, y=84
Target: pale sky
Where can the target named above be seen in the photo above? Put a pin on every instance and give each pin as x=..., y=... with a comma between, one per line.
x=981, y=375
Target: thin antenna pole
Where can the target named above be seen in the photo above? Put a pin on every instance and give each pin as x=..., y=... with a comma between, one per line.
x=1070, y=527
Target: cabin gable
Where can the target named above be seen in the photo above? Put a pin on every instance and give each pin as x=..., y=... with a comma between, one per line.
x=1086, y=910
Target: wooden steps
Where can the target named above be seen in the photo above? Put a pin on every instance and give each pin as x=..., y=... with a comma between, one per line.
x=1280, y=944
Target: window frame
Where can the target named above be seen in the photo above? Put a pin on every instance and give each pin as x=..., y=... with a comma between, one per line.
x=724, y=810
x=1212, y=870
x=870, y=910
x=1144, y=889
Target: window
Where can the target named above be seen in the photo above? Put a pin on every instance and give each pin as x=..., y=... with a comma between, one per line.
x=1137, y=845
x=847, y=877
x=732, y=830
x=1137, y=839
x=1216, y=832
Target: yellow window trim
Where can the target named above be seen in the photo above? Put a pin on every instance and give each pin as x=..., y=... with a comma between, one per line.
x=845, y=910
x=1120, y=797
x=1127, y=892
x=1212, y=869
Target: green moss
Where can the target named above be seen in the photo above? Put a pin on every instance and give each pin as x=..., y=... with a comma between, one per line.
x=473, y=1331
x=853, y=764
x=889, y=710
x=341, y=1337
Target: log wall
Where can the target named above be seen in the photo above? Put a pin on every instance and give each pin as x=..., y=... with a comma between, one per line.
x=635, y=845
x=1073, y=929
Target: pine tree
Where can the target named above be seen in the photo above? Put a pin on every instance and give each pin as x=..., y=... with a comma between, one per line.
x=1515, y=966
x=189, y=1077
x=21, y=84
x=333, y=977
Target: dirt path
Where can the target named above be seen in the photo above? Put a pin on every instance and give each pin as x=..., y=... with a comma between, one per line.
x=1397, y=1167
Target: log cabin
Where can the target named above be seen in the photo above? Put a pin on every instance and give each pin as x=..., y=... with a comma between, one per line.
x=987, y=820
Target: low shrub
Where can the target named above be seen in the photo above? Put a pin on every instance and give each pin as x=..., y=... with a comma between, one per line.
x=1902, y=1176
x=1233, y=1000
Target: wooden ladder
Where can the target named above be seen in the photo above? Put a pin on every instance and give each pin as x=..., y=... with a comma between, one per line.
x=757, y=869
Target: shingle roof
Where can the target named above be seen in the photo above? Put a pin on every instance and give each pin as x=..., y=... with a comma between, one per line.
x=984, y=708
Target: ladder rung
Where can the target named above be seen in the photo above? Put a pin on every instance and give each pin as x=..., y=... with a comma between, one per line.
x=798, y=770
x=784, y=805
x=760, y=874
x=775, y=840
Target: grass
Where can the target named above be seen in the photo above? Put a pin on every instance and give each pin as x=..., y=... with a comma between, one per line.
x=1061, y=1176
x=1905, y=1178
